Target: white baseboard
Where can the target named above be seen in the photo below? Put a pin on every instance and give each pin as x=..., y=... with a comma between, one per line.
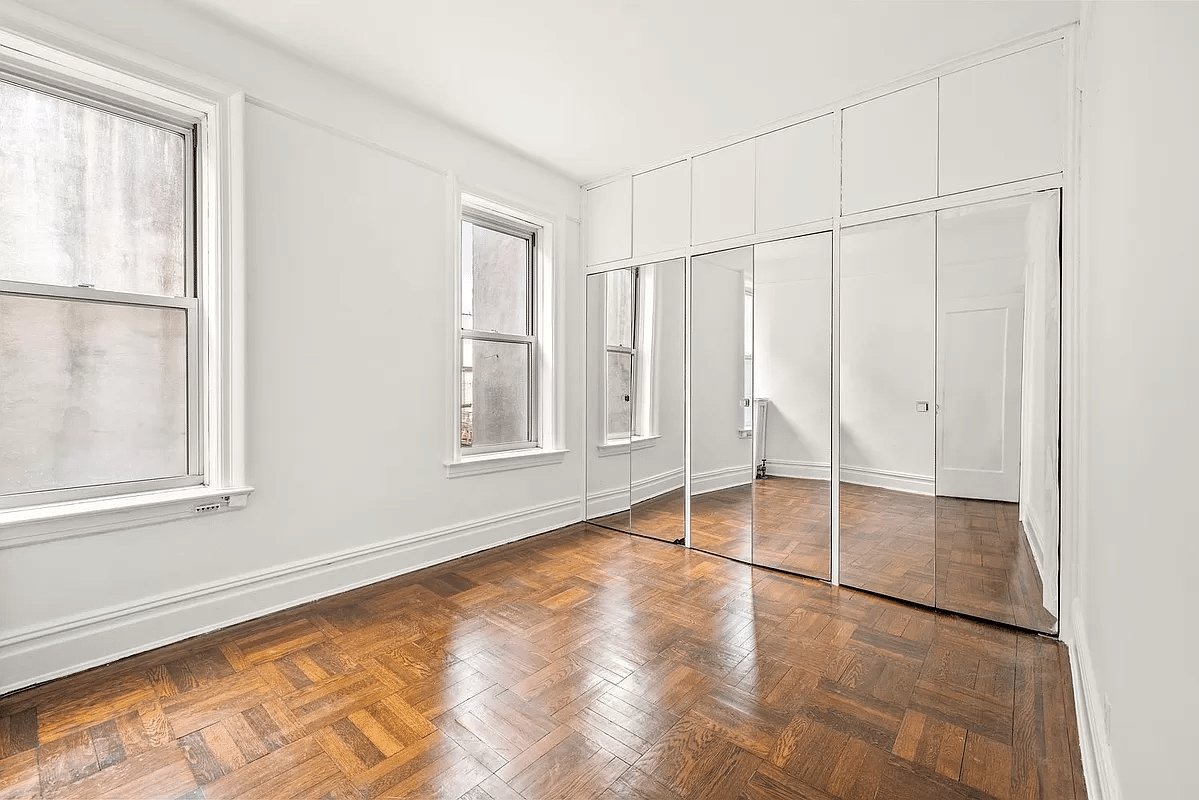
x=885, y=479
x=656, y=485
x=1098, y=767
x=718, y=479
x=75, y=643
x=613, y=501
x=811, y=470
x=1034, y=535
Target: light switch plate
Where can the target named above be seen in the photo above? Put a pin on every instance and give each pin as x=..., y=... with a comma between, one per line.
x=922, y=407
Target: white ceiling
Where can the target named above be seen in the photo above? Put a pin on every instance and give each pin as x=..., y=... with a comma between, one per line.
x=593, y=87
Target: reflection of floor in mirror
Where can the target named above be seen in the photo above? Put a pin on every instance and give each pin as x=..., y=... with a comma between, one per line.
x=983, y=564
x=659, y=517
x=789, y=520
x=887, y=542
x=791, y=525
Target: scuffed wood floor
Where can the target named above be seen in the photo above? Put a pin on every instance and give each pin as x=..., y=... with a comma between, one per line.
x=581, y=663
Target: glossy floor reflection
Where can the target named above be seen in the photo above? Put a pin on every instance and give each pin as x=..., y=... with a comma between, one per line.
x=891, y=542
x=985, y=566
x=577, y=664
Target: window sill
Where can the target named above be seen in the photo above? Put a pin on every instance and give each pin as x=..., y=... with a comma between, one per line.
x=20, y=527
x=501, y=462
x=638, y=443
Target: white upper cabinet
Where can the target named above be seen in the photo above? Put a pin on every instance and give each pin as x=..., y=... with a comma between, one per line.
x=889, y=149
x=796, y=175
x=660, y=209
x=610, y=221
x=722, y=193
x=1004, y=120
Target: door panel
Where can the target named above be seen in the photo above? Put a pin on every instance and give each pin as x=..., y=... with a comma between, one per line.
x=978, y=397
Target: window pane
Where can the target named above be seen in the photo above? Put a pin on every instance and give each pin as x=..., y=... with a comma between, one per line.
x=90, y=393
x=495, y=281
x=620, y=393
x=495, y=392
x=619, y=326
x=88, y=197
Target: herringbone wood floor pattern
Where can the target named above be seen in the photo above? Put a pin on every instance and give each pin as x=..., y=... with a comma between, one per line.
x=577, y=664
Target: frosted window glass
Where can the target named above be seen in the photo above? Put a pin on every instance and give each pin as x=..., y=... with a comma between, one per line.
x=88, y=197
x=620, y=393
x=499, y=390
x=90, y=393
x=496, y=272
x=619, y=327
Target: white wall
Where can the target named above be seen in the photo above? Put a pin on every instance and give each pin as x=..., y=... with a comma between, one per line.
x=1139, y=563
x=793, y=358
x=348, y=339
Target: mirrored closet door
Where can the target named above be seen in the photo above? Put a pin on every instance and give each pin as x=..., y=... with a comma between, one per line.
x=792, y=391
x=722, y=408
x=888, y=341
x=635, y=401
x=998, y=420
x=950, y=411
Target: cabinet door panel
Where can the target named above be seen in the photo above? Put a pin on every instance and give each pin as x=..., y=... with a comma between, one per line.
x=660, y=209
x=889, y=149
x=610, y=221
x=722, y=193
x=1004, y=120
x=796, y=175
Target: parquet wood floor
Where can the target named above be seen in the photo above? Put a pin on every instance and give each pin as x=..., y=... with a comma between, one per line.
x=581, y=663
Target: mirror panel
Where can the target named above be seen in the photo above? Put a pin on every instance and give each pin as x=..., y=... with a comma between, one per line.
x=793, y=362
x=998, y=376
x=887, y=425
x=721, y=407
x=658, y=401
x=610, y=366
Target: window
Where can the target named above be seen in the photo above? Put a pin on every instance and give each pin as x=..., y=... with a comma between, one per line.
x=620, y=352
x=498, y=334
x=629, y=345
x=120, y=333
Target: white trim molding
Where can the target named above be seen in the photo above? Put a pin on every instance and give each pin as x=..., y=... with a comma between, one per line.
x=717, y=479
x=1098, y=766
x=909, y=482
x=78, y=642
x=807, y=470
x=503, y=461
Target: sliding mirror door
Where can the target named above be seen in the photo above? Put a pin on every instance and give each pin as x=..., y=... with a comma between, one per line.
x=998, y=368
x=610, y=366
x=722, y=470
x=887, y=430
x=659, y=329
x=792, y=363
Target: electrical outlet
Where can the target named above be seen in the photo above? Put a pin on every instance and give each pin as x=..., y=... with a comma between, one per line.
x=1107, y=716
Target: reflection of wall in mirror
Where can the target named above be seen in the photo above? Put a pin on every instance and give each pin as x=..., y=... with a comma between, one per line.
x=793, y=353
x=658, y=465
x=607, y=468
x=720, y=456
x=888, y=315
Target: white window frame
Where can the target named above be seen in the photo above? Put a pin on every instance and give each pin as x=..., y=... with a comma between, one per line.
x=645, y=380
x=531, y=235
x=546, y=392
x=632, y=351
x=76, y=64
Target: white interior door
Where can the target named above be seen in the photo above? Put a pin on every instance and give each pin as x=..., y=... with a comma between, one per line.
x=979, y=355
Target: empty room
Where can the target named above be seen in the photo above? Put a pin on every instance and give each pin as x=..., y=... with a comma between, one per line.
x=565, y=399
